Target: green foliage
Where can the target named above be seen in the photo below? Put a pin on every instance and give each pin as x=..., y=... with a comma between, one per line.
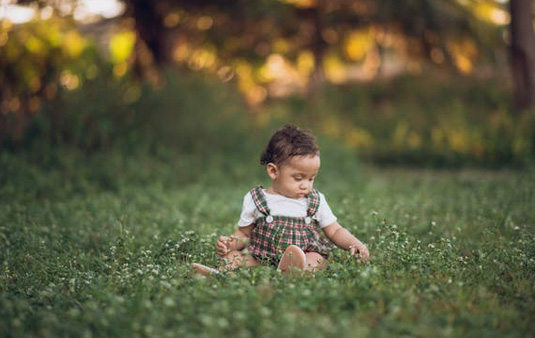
x=409, y=121
x=37, y=59
x=451, y=122
x=107, y=114
x=113, y=133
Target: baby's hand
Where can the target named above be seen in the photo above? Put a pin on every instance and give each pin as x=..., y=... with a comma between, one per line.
x=221, y=247
x=362, y=250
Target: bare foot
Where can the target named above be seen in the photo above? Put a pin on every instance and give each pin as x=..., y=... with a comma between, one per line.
x=203, y=270
x=293, y=259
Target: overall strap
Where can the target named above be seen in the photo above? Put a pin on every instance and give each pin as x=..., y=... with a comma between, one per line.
x=313, y=202
x=259, y=200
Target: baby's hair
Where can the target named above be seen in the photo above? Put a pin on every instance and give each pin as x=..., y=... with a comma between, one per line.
x=287, y=142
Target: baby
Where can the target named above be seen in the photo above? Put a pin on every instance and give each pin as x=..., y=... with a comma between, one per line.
x=279, y=225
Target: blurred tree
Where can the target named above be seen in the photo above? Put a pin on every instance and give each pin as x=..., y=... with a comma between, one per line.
x=426, y=30
x=523, y=52
x=38, y=59
x=253, y=30
x=212, y=34
x=446, y=33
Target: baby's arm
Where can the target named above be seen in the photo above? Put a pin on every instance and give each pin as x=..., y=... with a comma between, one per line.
x=345, y=240
x=235, y=242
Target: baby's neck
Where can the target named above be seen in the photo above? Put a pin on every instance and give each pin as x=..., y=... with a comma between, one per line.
x=273, y=191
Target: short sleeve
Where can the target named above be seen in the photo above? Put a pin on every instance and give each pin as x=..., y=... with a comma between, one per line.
x=324, y=214
x=249, y=213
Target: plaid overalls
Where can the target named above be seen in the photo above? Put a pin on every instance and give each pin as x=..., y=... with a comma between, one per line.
x=271, y=235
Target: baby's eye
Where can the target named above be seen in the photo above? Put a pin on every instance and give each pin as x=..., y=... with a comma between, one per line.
x=298, y=178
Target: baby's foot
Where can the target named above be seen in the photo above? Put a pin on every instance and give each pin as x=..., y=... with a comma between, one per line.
x=293, y=258
x=203, y=270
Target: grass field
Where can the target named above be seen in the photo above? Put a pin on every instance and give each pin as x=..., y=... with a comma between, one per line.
x=453, y=254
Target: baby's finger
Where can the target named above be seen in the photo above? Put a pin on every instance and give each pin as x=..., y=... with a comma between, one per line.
x=364, y=255
x=221, y=251
x=222, y=240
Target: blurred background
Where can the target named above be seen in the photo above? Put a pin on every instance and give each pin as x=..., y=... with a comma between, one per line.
x=130, y=83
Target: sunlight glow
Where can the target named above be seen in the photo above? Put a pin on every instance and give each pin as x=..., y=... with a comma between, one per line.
x=14, y=13
x=69, y=80
x=302, y=3
x=89, y=9
x=205, y=23
x=500, y=17
x=358, y=45
x=492, y=14
x=121, y=46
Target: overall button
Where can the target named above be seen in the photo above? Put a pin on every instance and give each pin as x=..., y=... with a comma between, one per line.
x=308, y=220
x=269, y=219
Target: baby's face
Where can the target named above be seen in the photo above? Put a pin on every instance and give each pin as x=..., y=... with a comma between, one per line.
x=295, y=177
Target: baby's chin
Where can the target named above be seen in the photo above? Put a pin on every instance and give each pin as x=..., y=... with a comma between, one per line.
x=291, y=195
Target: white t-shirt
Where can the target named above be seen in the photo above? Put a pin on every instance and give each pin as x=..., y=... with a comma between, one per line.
x=280, y=205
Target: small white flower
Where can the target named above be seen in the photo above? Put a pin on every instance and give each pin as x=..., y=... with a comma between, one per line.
x=168, y=301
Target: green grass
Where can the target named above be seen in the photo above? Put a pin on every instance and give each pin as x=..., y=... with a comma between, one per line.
x=90, y=254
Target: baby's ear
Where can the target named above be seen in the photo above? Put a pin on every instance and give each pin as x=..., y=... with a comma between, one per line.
x=272, y=170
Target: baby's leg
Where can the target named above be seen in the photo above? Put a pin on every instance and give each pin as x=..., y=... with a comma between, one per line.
x=236, y=259
x=202, y=270
x=315, y=261
x=232, y=260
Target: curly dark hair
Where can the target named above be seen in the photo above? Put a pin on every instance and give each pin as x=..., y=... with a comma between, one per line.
x=287, y=142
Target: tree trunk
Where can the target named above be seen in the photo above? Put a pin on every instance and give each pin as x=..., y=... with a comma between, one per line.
x=151, y=53
x=318, y=46
x=523, y=52
x=149, y=25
